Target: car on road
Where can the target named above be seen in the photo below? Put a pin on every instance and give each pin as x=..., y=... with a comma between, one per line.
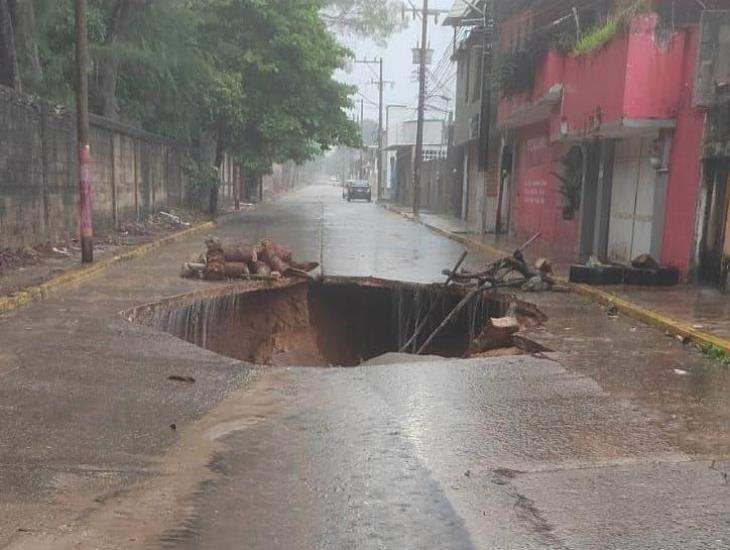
x=359, y=189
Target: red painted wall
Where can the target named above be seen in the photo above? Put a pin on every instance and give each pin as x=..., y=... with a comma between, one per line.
x=550, y=73
x=595, y=84
x=684, y=169
x=641, y=74
x=539, y=204
x=654, y=70
x=636, y=75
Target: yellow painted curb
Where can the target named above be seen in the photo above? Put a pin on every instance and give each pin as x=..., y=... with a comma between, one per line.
x=635, y=311
x=43, y=290
x=673, y=326
x=466, y=241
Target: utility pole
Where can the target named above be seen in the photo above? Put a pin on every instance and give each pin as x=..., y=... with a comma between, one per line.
x=418, y=168
x=485, y=10
x=486, y=121
x=380, y=134
x=381, y=108
x=380, y=83
x=422, y=62
x=362, y=132
x=82, y=127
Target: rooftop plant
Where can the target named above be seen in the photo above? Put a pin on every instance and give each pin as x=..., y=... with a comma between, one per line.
x=602, y=34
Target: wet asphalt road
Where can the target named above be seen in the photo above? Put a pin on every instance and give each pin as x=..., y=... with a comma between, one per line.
x=593, y=447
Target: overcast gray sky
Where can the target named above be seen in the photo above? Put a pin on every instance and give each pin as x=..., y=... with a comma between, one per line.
x=398, y=67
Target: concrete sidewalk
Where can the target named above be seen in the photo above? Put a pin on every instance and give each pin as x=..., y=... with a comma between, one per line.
x=698, y=313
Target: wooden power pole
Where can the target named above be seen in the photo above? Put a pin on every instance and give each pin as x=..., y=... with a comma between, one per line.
x=418, y=167
x=362, y=132
x=82, y=129
x=423, y=60
x=380, y=83
x=380, y=134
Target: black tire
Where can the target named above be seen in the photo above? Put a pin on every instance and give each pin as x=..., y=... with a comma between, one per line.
x=664, y=276
x=599, y=275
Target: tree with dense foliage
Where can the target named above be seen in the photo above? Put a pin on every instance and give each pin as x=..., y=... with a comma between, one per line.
x=375, y=19
x=253, y=78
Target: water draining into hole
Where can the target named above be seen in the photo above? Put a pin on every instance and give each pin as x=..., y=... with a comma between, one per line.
x=339, y=322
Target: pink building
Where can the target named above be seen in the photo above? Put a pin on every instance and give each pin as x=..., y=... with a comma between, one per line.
x=601, y=148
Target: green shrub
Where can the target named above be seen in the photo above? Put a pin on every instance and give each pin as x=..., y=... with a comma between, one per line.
x=601, y=35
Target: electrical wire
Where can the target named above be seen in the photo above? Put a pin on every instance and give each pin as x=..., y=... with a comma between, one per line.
x=367, y=99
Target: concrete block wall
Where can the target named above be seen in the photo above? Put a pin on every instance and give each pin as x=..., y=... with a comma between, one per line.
x=134, y=173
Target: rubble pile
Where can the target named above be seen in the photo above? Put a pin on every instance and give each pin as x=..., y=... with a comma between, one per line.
x=509, y=272
x=159, y=223
x=12, y=258
x=506, y=272
x=266, y=260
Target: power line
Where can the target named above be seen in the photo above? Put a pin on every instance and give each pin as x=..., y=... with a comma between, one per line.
x=367, y=99
x=442, y=83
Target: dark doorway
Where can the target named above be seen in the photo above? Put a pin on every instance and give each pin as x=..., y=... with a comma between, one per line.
x=712, y=250
x=595, y=206
x=506, y=166
x=589, y=198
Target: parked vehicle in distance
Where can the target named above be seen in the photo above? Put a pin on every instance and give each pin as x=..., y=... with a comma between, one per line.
x=359, y=189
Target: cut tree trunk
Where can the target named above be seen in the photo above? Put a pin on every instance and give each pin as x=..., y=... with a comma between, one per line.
x=9, y=72
x=29, y=63
x=110, y=62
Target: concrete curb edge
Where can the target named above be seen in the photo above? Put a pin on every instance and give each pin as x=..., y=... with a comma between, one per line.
x=43, y=290
x=631, y=309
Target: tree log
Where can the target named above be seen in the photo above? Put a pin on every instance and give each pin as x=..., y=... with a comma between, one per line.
x=22, y=14
x=9, y=72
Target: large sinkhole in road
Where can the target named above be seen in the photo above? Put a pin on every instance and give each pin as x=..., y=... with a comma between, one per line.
x=335, y=322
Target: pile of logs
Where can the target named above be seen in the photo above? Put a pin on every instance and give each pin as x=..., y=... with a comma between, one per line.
x=267, y=260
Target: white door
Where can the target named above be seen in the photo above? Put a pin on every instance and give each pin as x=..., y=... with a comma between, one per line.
x=632, y=200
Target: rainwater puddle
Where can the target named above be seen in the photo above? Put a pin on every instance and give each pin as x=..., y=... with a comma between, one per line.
x=338, y=321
